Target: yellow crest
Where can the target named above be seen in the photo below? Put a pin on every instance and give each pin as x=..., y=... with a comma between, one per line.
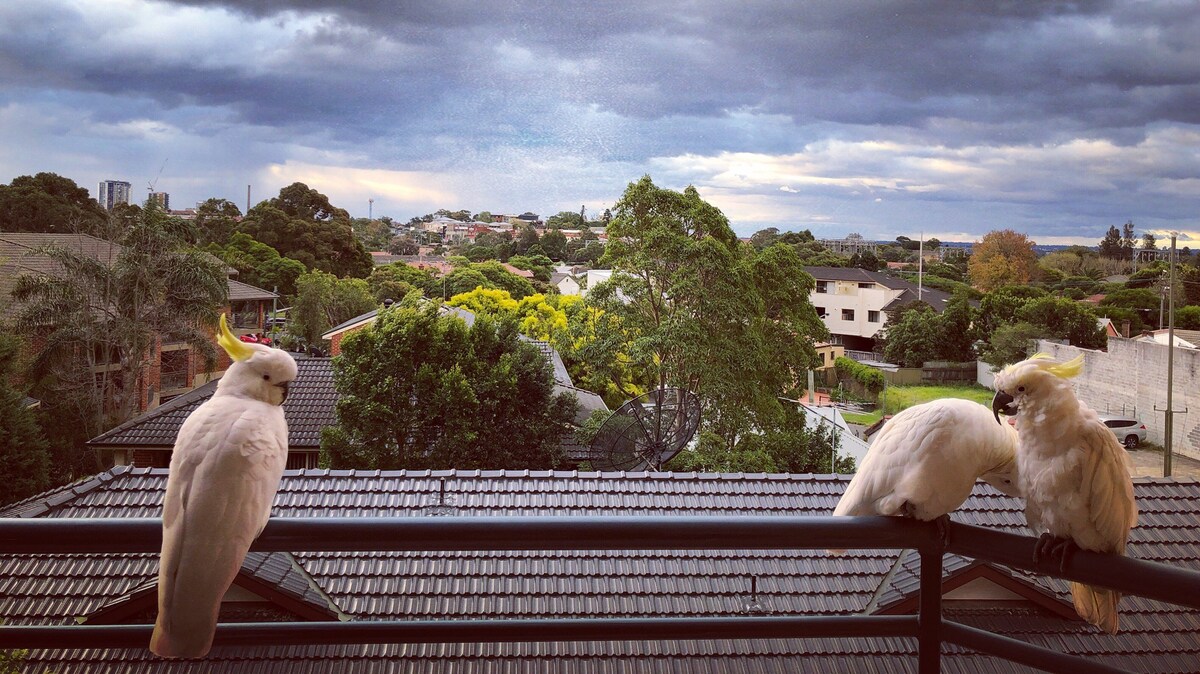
x=236, y=348
x=1066, y=370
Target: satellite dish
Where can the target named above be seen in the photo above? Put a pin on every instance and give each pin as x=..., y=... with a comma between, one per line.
x=646, y=432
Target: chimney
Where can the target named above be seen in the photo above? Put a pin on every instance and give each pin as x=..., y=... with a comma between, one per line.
x=1125, y=329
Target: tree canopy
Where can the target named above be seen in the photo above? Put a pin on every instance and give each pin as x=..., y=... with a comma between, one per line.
x=323, y=301
x=48, y=202
x=422, y=390
x=301, y=224
x=1002, y=257
x=689, y=306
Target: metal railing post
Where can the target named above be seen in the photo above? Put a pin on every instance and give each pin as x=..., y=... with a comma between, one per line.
x=929, y=617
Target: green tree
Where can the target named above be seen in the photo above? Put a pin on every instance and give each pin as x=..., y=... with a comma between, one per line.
x=540, y=265
x=24, y=453
x=1112, y=246
x=1144, y=301
x=395, y=281
x=554, y=242
x=1061, y=318
x=48, y=202
x=689, y=306
x=913, y=336
x=957, y=338
x=1010, y=344
x=373, y=234
x=565, y=220
x=216, y=220
x=421, y=390
x=323, y=301
x=527, y=237
x=301, y=224
x=259, y=264
x=110, y=309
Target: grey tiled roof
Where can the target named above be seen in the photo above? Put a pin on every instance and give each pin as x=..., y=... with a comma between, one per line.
x=529, y=584
x=310, y=406
x=239, y=291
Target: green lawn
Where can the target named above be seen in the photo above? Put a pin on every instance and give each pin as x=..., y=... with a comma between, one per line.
x=902, y=397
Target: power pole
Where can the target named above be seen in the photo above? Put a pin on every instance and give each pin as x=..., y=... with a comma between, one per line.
x=1168, y=431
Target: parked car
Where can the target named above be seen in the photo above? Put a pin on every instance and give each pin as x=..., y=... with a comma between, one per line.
x=1130, y=432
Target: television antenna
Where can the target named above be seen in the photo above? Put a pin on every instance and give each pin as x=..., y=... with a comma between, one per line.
x=646, y=432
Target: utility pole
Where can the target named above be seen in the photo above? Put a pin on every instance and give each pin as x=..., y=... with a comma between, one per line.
x=1170, y=427
x=920, y=266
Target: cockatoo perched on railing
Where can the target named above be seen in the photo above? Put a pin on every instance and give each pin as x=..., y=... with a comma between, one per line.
x=229, y=457
x=1072, y=471
x=925, y=461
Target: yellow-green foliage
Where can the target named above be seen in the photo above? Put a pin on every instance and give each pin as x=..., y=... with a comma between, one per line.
x=489, y=301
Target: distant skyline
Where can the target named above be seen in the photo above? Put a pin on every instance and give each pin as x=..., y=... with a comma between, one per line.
x=883, y=118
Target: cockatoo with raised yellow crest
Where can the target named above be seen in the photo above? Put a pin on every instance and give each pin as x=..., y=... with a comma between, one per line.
x=1073, y=473
x=229, y=457
x=926, y=460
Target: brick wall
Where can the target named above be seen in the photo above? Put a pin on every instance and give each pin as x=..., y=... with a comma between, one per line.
x=1131, y=379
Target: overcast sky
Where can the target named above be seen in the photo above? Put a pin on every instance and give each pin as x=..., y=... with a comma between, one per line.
x=869, y=116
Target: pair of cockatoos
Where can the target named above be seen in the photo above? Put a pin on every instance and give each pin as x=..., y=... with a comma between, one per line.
x=229, y=457
x=1067, y=465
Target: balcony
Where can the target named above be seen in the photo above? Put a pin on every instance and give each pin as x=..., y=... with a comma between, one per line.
x=929, y=628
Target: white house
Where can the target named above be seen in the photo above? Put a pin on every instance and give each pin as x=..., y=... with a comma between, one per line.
x=595, y=277
x=567, y=284
x=853, y=302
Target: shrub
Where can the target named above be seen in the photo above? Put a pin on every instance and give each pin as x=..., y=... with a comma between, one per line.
x=868, y=377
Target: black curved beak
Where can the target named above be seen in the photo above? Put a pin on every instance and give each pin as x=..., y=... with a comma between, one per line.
x=283, y=386
x=1002, y=403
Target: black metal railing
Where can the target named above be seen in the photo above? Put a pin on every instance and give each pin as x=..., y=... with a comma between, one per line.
x=1155, y=581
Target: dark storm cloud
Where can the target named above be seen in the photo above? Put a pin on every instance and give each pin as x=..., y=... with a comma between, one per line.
x=1104, y=67
x=931, y=102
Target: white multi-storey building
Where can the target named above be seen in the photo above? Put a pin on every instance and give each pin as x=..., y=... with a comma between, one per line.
x=112, y=192
x=854, y=302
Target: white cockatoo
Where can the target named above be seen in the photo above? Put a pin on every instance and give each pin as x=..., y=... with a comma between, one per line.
x=229, y=457
x=925, y=461
x=1073, y=473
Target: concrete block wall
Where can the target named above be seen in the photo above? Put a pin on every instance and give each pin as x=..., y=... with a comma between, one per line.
x=1131, y=379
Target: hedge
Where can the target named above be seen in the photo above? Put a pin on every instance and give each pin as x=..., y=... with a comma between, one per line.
x=870, y=378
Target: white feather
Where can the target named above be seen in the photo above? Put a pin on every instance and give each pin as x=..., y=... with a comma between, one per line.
x=228, y=459
x=927, y=458
x=1074, y=474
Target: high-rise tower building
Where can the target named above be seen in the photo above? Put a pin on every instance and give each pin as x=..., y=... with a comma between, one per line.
x=162, y=199
x=112, y=192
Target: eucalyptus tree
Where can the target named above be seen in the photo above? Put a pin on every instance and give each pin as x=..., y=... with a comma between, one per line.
x=696, y=308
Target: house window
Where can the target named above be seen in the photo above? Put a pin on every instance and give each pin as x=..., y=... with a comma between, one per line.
x=866, y=285
x=820, y=312
x=872, y=316
x=822, y=286
x=847, y=314
x=822, y=358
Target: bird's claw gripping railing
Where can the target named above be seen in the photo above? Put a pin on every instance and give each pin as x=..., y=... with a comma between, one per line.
x=1130, y=576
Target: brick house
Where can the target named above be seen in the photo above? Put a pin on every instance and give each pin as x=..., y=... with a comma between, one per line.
x=174, y=368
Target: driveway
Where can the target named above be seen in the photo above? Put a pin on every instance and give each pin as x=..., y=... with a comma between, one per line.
x=1149, y=463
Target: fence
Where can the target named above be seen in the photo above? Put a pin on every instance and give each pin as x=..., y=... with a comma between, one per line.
x=928, y=627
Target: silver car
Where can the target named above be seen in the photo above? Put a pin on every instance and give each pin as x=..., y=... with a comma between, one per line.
x=1130, y=432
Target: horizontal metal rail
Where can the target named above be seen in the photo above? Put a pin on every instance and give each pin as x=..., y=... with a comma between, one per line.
x=476, y=631
x=1025, y=653
x=325, y=534
x=67, y=536
x=1131, y=576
